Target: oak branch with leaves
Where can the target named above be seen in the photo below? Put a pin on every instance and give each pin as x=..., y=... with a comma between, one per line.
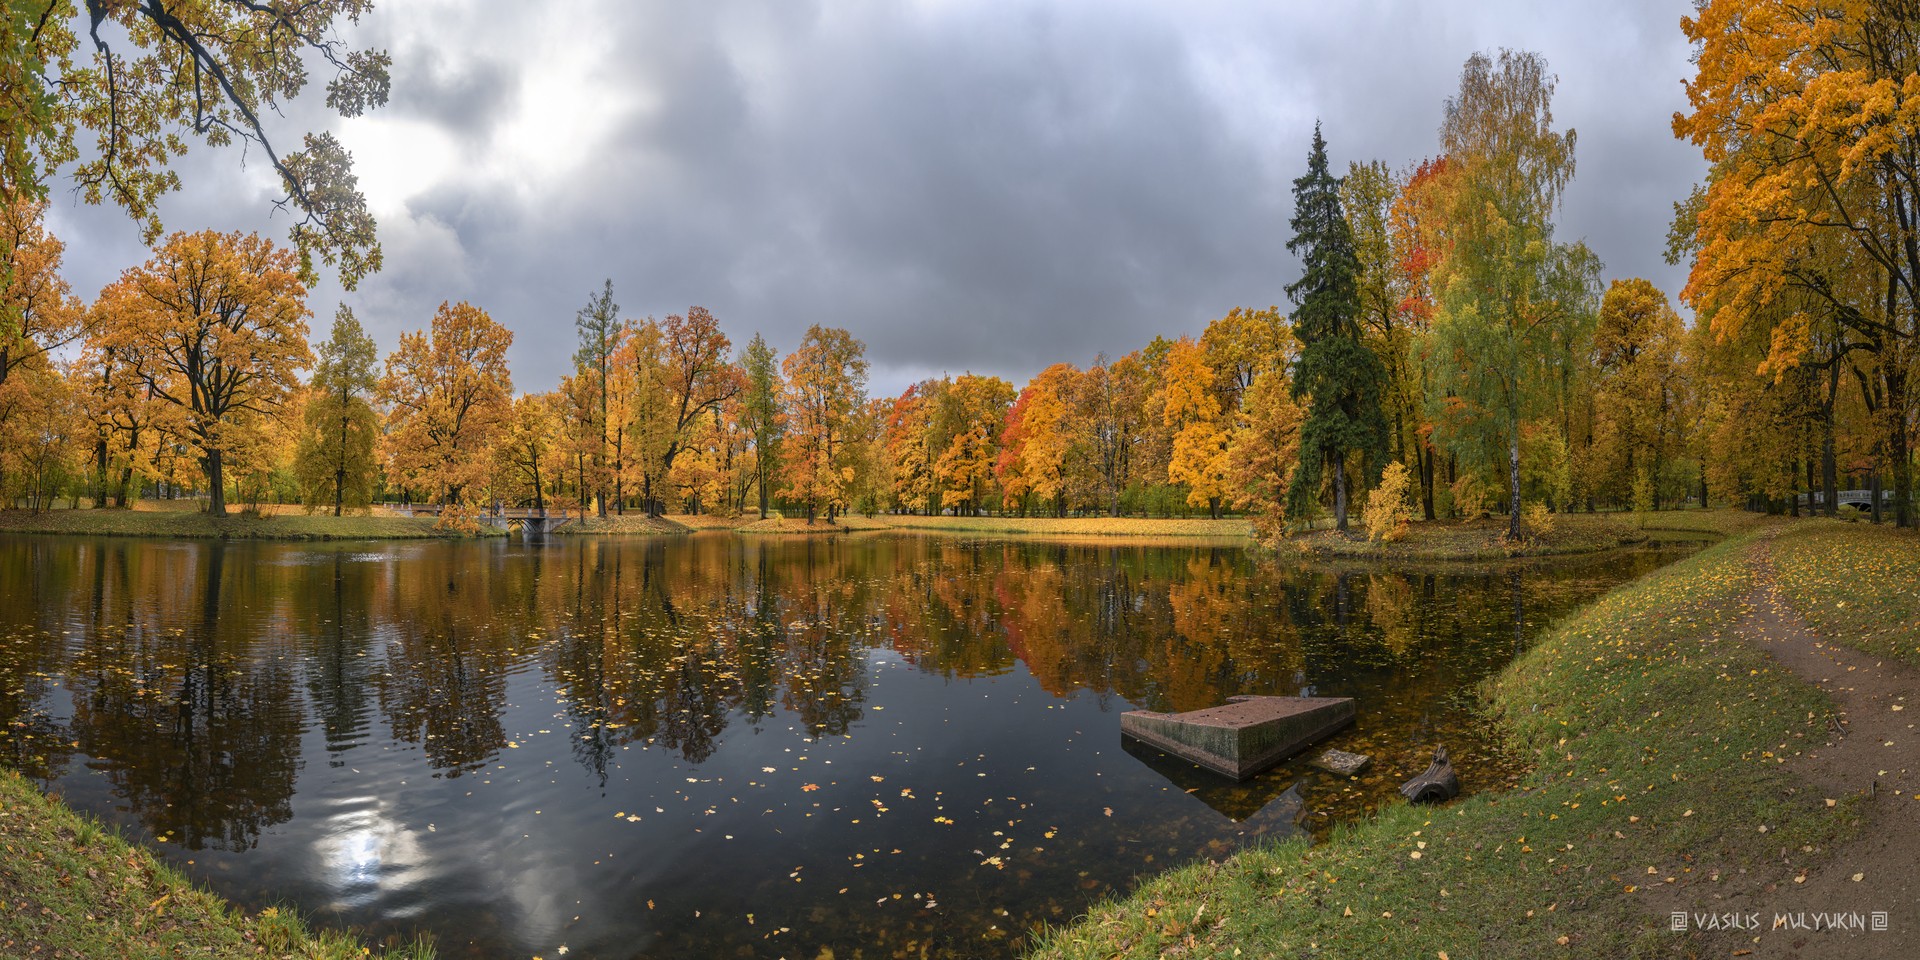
x=141, y=77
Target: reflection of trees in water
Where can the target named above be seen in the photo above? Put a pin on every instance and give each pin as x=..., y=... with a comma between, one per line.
x=199, y=737
x=444, y=664
x=336, y=630
x=193, y=666
x=33, y=571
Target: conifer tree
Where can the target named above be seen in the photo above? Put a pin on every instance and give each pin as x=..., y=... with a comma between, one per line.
x=1336, y=374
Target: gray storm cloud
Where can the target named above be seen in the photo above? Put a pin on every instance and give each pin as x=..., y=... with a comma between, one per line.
x=988, y=187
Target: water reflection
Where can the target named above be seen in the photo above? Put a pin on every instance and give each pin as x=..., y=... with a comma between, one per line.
x=631, y=746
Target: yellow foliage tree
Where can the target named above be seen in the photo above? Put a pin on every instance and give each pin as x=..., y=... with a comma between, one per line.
x=1192, y=410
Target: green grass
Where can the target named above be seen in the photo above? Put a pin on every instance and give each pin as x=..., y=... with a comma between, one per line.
x=195, y=524
x=635, y=523
x=72, y=888
x=1655, y=739
x=1855, y=583
x=1485, y=539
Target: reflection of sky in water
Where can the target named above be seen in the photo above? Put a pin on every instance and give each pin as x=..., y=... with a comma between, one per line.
x=631, y=746
x=365, y=856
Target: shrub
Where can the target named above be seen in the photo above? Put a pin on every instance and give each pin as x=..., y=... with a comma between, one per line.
x=1470, y=500
x=1539, y=519
x=1849, y=513
x=1388, y=511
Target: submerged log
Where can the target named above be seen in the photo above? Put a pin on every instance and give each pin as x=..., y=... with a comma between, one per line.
x=1437, y=785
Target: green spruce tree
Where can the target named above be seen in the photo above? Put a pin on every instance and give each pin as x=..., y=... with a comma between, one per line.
x=1336, y=374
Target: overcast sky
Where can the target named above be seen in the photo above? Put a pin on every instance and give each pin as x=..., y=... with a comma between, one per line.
x=984, y=186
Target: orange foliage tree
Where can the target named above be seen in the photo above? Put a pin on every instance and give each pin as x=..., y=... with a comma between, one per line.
x=449, y=397
x=215, y=326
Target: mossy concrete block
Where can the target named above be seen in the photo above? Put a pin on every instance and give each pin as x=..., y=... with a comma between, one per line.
x=1243, y=736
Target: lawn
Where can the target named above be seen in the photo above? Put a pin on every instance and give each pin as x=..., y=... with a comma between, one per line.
x=849, y=523
x=1075, y=526
x=196, y=524
x=71, y=888
x=1654, y=739
x=1856, y=582
x=634, y=523
x=1485, y=539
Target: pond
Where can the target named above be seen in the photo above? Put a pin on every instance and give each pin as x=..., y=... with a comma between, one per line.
x=716, y=745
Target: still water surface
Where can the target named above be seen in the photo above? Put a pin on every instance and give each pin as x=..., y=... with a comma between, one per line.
x=716, y=745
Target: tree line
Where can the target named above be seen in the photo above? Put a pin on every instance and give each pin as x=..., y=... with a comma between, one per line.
x=1446, y=353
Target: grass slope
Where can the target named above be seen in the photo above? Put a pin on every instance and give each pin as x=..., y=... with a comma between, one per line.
x=1654, y=735
x=1854, y=582
x=194, y=524
x=69, y=888
x=638, y=523
x=844, y=524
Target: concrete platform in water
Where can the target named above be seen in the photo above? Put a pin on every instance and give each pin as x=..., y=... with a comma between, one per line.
x=1243, y=736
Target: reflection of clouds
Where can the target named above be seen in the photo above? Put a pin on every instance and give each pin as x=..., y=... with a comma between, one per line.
x=366, y=857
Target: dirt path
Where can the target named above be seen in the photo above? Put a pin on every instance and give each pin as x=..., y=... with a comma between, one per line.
x=1874, y=754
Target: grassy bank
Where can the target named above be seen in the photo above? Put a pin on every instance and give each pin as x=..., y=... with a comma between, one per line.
x=1654, y=737
x=195, y=524
x=1482, y=540
x=708, y=521
x=638, y=523
x=842, y=524
x=70, y=888
x=1855, y=582
x=1075, y=526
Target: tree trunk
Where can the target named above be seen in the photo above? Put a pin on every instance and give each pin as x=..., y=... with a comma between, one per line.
x=1513, y=484
x=1424, y=457
x=216, y=482
x=1339, y=492
x=100, y=460
x=1902, y=453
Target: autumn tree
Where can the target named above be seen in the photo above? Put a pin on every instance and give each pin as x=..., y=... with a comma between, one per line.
x=1265, y=452
x=1338, y=377
x=760, y=412
x=907, y=429
x=1112, y=402
x=449, y=397
x=218, y=321
x=526, y=454
x=335, y=462
x=118, y=403
x=826, y=380
x=1639, y=394
x=139, y=77
x=965, y=423
x=699, y=377
x=1507, y=292
x=1810, y=118
x=600, y=331
x=1200, y=430
x=39, y=315
x=1412, y=247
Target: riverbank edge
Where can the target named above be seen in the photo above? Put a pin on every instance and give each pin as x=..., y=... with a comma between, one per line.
x=638, y=525
x=1654, y=738
x=70, y=887
x=192, y=525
